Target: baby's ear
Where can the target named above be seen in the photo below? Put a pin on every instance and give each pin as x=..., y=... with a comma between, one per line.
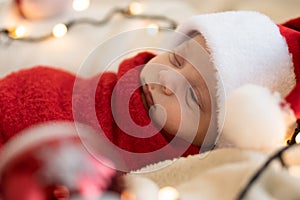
x=256, y=118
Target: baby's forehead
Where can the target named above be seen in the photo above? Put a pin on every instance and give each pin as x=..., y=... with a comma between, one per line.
x=193, y=49
x=195, y=43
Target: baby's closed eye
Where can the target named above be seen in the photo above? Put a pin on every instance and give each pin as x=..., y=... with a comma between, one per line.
x=176, y=60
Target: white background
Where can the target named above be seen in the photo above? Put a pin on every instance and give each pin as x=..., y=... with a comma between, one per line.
x=71, y=51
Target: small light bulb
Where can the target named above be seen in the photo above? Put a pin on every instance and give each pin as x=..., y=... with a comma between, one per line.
x=128, y=195
x=136, y=8
x=19, y=32
x=152, y=29
x=80, y=5
x=59, y=30
x=298, y=139
x=168, y=193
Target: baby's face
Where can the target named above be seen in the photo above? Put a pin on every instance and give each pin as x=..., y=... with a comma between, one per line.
x=176, y=93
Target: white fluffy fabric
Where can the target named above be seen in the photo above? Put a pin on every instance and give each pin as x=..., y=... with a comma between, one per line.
x=219, y=174
x=183, y=169
x=256, y=118
x=245, y=47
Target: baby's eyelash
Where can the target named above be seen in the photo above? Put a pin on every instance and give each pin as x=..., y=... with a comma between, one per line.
x=194, y=97
x=174, y=60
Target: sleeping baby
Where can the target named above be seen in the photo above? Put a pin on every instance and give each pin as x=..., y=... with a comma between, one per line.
x=158, y=107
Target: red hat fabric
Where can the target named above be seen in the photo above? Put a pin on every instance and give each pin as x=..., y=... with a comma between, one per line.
x=291, y=31
x=248, y=47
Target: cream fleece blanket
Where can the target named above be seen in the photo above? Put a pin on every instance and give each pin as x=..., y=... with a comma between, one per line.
x=219, y=174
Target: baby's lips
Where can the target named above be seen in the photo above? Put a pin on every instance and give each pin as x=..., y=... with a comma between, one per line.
x=148, y=96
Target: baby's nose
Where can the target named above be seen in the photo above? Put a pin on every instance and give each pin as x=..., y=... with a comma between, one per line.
x=162, y=87
x=167, y=91
x=167, y=80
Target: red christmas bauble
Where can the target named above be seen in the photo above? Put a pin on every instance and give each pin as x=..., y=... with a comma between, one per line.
x=39, y=9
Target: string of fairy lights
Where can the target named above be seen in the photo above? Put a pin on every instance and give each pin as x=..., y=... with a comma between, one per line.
x=133, y=11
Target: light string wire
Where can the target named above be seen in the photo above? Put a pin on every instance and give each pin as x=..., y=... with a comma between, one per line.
x=125, y=12
x=277, y=155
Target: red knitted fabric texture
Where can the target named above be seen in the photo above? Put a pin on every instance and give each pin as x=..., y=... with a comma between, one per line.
x=42, y=94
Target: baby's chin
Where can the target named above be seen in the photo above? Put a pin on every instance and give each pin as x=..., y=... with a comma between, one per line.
x=190, y=137
x=158, y=116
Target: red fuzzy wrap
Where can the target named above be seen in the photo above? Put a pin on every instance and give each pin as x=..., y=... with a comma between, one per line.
x=43, y=94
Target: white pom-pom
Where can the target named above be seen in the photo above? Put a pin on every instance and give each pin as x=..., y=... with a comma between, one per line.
x=255, y=118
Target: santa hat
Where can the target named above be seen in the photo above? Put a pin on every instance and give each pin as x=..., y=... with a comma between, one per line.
x=245, y=47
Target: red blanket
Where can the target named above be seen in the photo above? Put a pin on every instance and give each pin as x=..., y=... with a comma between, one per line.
x=43, y=94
